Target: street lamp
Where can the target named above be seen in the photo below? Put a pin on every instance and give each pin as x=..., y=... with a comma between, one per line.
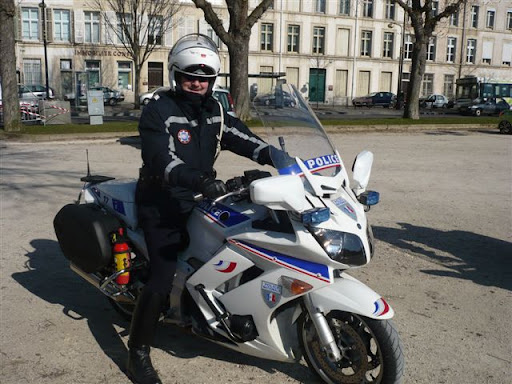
x=400, y=63
x=42, y=5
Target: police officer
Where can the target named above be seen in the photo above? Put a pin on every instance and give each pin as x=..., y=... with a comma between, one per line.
x=182, y=132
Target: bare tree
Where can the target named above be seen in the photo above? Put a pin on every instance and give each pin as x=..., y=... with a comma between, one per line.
x=11, y=105
x=236, y=39
x=137, y=28
x=424, y=19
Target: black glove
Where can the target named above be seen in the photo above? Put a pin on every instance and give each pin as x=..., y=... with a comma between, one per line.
x=212, y=189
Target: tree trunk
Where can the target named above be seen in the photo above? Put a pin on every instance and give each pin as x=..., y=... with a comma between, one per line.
x=136, y=86
x=238, y=68
x=11, y=105
x=412, y=109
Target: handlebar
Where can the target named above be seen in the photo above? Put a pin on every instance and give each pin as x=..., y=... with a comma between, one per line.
x=238, y=185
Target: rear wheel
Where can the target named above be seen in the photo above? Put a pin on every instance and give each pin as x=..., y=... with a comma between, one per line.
x=371, y=350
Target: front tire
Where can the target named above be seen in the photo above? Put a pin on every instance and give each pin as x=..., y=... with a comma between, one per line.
x=371, y=350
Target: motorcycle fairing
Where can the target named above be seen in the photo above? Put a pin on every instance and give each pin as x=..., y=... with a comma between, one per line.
x=312, y=269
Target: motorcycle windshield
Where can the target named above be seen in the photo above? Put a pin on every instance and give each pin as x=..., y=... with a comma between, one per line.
x=293, y=128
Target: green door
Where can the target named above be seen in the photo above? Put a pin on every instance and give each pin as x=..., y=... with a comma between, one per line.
x=317, y=84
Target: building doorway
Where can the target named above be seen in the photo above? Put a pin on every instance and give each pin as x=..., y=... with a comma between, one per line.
x=317, y=85
x=155, y=74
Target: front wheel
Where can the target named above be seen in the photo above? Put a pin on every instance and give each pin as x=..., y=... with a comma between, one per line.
x=371, y=350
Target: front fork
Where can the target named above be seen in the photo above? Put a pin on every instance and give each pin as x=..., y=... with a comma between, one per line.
x=325, y=335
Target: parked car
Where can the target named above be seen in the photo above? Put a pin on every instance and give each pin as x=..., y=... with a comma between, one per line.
x=147, y=96
x=30, y=91
x=384, y=99
x=505, y=124
x=221, y=94
x=480, y=107
x=435, y=101
x=224, y=97
x=110, y=96
x=270, y=99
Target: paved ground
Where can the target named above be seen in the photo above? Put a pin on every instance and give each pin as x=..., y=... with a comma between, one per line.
x=444, y=246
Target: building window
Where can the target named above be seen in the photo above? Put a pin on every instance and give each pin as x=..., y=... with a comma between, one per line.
x=471, y=51
x=427, y=85
x=32, y=71
x=388, y=44
x=489, y=22
x=474, y=16
x=65, y=65
x=30, y=23
x=124, y=75
x=454, y=19
x=318, y=40
x=408, y=45
x=366, y=43
x=92, y=27
x=506, y=54
x=449, y=80
x=390, y=9
x=155, y=30
x=487, y=51
x=293, y=38
x=124, y=21
x=345, y=7
x=451, y=46
x=431, y=49
x=435, y=7
x=367, y=8
x=343, y=42
x=92, y=68
x=212, y=35
x=509, y=20
x=267, y=37
x=62, y=26
x=320, y=6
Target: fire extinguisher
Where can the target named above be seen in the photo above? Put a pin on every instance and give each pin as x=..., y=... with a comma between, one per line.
x=121, y=252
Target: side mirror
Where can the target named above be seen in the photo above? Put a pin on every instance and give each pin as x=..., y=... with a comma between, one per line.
x=361, y=170
x=284, y=192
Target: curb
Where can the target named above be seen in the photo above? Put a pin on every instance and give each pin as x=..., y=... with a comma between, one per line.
x=339, y=129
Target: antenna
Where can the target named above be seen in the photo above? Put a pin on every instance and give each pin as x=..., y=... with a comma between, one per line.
x=88, y=168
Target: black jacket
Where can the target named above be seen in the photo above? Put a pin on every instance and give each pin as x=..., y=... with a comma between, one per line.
x=179, y=144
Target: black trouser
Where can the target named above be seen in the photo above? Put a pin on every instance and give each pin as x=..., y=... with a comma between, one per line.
x=164, y=225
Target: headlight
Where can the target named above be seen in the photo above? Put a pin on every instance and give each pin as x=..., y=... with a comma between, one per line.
x=342, y=247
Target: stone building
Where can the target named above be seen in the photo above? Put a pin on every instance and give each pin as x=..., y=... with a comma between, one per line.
x=332, y=49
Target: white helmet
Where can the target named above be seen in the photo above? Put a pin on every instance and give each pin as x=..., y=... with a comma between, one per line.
x=194, y=55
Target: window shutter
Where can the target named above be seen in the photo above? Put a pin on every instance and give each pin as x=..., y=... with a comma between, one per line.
x=487, y=50
x=78, y=26
x=49, y=24
x=17, y=28
x=507, y=52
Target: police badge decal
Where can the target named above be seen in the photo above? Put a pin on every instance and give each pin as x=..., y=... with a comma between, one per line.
x=271, y=293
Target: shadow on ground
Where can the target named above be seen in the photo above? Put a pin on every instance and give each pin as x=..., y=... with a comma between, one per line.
x=48, y=277
x=482, y=259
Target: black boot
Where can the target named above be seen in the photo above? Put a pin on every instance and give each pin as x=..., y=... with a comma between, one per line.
x=142, y=330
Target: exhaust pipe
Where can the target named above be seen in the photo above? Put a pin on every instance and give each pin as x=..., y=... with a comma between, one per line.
x=106, y=286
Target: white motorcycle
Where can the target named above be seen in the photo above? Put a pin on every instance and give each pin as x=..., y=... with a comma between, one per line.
x=265, y=270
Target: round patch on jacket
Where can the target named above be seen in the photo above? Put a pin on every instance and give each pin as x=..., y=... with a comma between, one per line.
x=184, y=136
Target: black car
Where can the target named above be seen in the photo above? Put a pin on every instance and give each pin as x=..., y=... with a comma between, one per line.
x=283, y=98
x=384, y=99
x=491, y=106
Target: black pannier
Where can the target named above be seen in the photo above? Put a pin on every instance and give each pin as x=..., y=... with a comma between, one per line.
x=83, y=231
